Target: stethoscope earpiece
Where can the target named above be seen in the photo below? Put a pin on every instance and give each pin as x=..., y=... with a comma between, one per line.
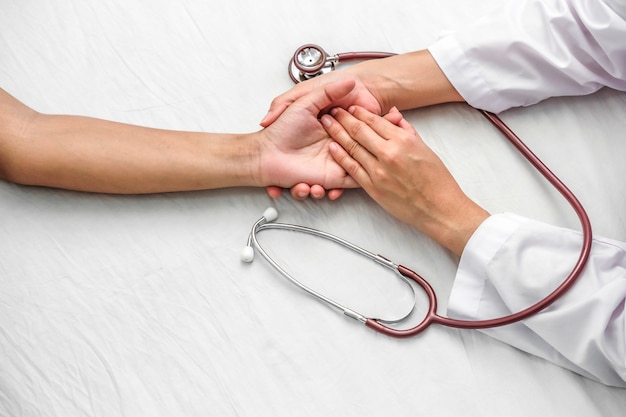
x=247, y=254
x=269, y=215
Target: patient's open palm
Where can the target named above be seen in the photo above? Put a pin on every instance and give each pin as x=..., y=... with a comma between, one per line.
x=295, y=147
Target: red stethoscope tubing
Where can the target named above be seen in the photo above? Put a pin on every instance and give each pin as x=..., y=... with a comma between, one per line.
x=432, y=316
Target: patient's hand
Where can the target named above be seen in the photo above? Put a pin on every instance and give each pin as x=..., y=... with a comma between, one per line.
x=363, y=94
x=360, y=95
x=294, y=149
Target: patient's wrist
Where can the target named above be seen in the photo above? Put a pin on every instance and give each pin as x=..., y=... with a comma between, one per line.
x=263, y=159
x=251, y=168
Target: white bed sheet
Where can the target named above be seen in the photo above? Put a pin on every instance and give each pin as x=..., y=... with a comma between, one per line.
x=139, y=305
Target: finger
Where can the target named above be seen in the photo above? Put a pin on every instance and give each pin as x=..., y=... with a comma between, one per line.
x=321, y=98
x=380, y=126
x=407, y=126
x=346, y=182
x=394, y=116
x=281, y=102
x=358, y=135
x=318, y=192
x=300, y=191
x=339, y=133
x=403, y=123
x=274, y=113
x=335, y=193
x=273, y=191
x=350, y=165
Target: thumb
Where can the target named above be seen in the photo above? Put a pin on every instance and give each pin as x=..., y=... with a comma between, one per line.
x=322, y=98
x=394, y=116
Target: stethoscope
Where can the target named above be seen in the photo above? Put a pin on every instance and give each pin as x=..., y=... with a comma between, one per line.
x=310, y=61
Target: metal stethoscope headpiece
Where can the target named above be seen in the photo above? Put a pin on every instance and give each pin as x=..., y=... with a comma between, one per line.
x=311, y=60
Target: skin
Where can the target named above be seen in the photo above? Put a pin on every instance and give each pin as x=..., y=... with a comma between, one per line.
x=389, y=159
x=396, y=168
x=88, y=154
x=403, y=81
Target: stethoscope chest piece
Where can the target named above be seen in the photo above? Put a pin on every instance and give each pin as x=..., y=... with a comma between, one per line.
x=309, y=61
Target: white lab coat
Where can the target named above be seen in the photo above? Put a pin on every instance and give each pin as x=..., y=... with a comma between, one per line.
x=528, y=51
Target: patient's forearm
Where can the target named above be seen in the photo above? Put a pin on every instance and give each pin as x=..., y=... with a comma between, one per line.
x=87, y=154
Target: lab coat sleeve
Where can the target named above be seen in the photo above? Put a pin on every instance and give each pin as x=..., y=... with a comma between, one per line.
x=529, y=50
x=512, y=262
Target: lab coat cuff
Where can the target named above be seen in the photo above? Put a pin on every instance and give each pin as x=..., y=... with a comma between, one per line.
x=468, y=290
x=465, y=75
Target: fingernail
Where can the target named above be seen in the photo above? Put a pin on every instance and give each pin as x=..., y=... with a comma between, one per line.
x=334, y=111
x=333, y=146
x=351, y=109
x=326, y=120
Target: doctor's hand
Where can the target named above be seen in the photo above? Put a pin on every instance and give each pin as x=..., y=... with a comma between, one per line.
x=401, y=173
x=294, y=149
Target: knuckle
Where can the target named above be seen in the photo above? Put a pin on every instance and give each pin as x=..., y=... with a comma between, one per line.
x=337, y=131
x=352, y=169
x=350, y=165
x=277, y=101
x=367, y=118
x=357, y=129
x=381, y=174
x=389, y=155
x=353, y=148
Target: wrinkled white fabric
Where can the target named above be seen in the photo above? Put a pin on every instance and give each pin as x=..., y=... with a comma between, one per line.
x=531, y=50
x=124, y=306
x=512, y=262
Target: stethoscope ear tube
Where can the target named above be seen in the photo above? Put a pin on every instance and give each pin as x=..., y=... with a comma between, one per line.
x=431, y=314
x=264, y=224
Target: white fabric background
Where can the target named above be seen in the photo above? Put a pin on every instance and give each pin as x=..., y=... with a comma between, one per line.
x=138, y=305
